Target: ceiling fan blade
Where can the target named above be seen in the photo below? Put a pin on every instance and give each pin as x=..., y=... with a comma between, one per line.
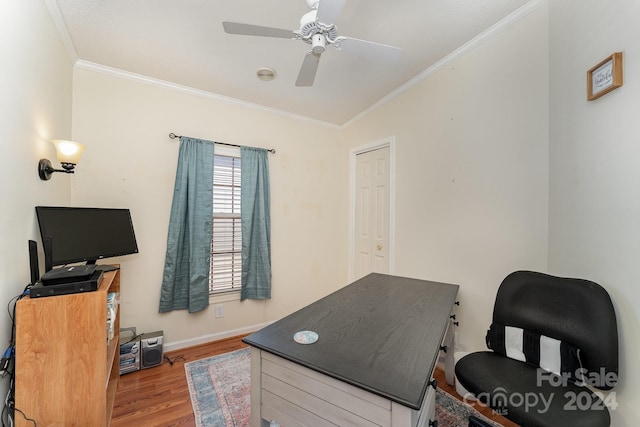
x=256, y=30
x=370, y=50
x=329, y=10
x=307, y=73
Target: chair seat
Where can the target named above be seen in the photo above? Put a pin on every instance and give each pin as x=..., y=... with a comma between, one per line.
x=517, y=393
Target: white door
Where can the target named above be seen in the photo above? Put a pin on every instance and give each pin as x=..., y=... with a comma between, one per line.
x=371, y=225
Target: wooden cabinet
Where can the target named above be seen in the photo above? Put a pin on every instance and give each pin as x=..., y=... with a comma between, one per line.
x=67, y=369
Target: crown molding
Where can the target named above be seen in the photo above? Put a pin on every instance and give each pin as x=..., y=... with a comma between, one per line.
x=115, y=72
x=489, y=33
x=58, y=21
x=492, y=31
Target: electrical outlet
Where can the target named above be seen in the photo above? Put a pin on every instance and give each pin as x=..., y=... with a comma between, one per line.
x=220, y=310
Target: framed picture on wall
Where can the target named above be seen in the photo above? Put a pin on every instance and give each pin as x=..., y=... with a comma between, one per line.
x=604, y=77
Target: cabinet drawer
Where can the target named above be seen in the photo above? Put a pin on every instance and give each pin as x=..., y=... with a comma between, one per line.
x=317, y=393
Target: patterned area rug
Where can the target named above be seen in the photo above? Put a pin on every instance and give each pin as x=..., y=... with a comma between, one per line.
x=450, y=412
x=219, y=388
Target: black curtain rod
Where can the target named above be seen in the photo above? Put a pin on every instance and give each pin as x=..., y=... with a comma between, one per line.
x=174, y=136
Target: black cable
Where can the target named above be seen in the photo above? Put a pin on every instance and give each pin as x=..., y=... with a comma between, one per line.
x=175, y=359
x=25, y=417
x=7, y=365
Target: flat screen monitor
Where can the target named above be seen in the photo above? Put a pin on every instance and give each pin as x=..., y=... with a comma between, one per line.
x=77, y=234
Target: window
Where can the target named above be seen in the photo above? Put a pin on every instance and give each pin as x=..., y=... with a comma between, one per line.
x=225, y=270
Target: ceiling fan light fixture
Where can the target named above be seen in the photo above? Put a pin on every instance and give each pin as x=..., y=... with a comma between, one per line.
x=318, y=29
x=266, y=74
x=318, y=42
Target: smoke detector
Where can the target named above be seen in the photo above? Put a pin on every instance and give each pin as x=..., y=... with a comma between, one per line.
x=266, y=74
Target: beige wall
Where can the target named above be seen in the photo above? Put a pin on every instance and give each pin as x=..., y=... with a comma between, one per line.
x=130, y=162
x=594, y=215
x=471, y=169
x=501, y=164
x=471, y=178
x=36, y=107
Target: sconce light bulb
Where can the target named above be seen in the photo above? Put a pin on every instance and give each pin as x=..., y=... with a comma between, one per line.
x=68, y=151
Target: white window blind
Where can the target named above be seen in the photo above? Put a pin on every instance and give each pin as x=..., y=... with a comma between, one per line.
x=226, y=258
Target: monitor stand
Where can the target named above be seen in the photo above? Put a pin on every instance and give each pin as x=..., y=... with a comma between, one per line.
x=106, y=267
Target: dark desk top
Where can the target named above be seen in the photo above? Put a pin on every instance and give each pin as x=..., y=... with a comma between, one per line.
x=381, y=333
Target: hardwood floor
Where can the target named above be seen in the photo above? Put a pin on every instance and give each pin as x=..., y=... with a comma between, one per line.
x=159, y=397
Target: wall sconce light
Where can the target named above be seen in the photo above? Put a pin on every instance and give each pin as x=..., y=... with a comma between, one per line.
x=68, y=153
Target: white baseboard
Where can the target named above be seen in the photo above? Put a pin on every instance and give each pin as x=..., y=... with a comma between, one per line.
x=191, y=342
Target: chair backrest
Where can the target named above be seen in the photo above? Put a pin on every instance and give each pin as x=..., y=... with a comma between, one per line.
x=576, y=311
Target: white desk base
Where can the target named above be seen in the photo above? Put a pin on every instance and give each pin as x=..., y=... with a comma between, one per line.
x=292, y=395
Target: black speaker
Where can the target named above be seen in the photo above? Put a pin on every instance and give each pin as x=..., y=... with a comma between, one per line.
x=33, y=262
x=151, y=346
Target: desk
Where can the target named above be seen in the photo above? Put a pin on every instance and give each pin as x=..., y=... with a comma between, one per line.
x=379, y=339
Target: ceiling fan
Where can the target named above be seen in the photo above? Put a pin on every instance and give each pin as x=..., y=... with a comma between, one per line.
x=318, y=29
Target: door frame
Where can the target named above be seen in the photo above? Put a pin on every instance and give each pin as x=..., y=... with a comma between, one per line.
x=371, y=146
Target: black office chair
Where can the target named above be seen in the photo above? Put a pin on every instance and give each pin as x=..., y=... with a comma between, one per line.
x=543, y=323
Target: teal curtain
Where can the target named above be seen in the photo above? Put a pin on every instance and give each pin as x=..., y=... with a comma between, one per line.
x=255, y=201
x=185, y=282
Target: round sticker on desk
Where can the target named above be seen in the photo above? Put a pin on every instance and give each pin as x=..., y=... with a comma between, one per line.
x=305, y=337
